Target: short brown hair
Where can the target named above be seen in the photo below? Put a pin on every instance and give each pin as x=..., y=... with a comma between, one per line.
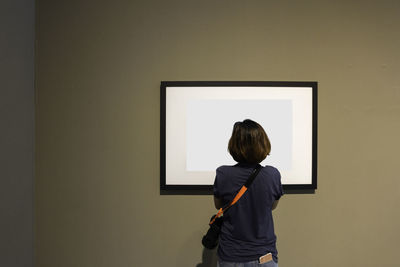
x=249, y=143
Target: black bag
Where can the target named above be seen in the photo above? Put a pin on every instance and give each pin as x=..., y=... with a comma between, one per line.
x=210, y=239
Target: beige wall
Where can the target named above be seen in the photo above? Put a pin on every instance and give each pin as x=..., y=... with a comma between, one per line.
x=99, y=66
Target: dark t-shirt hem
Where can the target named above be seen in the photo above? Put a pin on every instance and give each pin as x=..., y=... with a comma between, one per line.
x=245, y=259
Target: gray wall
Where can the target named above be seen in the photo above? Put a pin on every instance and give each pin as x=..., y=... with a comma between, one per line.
x=17, y=132
x=99, y=66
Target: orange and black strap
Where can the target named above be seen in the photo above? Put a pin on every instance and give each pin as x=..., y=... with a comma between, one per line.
x=239, y=194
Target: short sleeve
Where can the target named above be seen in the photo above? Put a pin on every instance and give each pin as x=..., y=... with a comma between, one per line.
x=215, y=187
x=278, y=190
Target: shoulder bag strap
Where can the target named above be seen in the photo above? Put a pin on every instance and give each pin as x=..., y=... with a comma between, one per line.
x=239, y=194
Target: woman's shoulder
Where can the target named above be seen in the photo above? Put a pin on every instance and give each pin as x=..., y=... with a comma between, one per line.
x=272, y=172
x=225, y=168
x=229, y=170
x=270, y=169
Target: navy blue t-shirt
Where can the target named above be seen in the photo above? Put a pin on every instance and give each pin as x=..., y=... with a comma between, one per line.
x=248, y=229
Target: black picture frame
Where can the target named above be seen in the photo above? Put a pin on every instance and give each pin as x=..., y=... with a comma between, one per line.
x=201, y=189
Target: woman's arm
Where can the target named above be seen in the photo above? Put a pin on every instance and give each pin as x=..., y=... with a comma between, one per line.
x=275, y=204
x=217, y=203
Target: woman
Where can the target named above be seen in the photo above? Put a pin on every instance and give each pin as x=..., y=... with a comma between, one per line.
x=247, y=233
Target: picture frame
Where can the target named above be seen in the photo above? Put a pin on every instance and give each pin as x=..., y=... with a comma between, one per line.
x=196, y=120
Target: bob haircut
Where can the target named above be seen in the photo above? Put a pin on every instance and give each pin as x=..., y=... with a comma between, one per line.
x=249, y=143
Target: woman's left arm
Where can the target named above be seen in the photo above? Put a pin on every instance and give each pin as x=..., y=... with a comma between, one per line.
x=217, y=203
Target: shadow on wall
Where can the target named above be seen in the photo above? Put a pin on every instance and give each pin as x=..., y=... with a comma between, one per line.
x=189, y=253
x=209, y=258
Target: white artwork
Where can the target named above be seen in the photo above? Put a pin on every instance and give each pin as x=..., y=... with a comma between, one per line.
x=197, y=119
